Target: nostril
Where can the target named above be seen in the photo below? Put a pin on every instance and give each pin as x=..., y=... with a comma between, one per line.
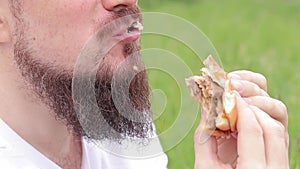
x=118, y=5
x=118, y=8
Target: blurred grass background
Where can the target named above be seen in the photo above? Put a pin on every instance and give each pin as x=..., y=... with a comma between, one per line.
x=258, y=35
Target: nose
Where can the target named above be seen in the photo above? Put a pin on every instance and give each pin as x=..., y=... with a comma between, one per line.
x=116, y=5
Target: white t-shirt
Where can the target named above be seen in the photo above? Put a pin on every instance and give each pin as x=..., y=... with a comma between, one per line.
x=16, y=153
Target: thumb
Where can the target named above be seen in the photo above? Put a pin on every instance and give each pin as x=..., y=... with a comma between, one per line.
x=205, y=148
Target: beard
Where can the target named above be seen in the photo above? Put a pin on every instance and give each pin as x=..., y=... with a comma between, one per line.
x=120, y=105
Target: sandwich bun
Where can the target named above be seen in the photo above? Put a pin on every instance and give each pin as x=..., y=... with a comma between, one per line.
x=214, y=92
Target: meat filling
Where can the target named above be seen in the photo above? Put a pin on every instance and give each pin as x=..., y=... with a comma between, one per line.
x=211, y=96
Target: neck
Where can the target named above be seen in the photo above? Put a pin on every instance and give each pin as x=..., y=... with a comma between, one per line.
x=25, y=113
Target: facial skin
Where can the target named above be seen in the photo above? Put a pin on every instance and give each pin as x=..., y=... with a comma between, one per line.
x=40, y=42
x=47, y=39
x=61, y=29
x=40, y=71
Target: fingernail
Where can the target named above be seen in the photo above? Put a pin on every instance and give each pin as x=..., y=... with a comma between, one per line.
x=234, y=76
x=204, y=137
x=236, y=84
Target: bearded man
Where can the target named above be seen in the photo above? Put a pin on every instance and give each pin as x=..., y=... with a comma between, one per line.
x=45, y=40
x=71, y=77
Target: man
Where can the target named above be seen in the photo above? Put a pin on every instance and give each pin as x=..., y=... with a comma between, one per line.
x=48, y=122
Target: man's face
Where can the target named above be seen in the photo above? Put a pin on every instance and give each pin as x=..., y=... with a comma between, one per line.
x=49, y=37
x=61, y=28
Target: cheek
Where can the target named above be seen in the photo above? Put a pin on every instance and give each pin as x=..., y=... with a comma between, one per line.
x=58, y=32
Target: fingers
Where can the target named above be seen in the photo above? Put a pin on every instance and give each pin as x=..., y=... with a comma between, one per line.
x=251, y=148
x=206, y=152
x=275, y=140
x=260, y=135
x=274, y=108
x=255, y=78
x=227, y=150
x=247, y=88
x=262, y=123
x=252, y=86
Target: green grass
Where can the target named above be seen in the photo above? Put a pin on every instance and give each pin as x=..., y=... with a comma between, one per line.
x=262, y=36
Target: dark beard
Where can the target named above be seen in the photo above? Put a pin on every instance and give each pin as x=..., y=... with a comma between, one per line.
x=106, y=119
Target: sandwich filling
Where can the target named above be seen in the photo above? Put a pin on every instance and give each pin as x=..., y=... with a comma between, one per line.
x=215, y=94
x=210, y=95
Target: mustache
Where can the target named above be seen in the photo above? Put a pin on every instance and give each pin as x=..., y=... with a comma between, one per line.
x=106, y=36
x=133, y=11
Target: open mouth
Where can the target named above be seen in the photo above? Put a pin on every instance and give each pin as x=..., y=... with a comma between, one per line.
x=131, y=33
x=135, y=26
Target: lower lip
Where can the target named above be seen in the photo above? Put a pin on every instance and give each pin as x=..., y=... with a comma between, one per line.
x=130, y=37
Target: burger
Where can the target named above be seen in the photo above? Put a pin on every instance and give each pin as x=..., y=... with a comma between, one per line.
x=214, y=92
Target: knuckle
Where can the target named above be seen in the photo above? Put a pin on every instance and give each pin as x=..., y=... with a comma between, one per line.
x=263, y=80
x=287, y=139
x=281, y=108
x=256, y=89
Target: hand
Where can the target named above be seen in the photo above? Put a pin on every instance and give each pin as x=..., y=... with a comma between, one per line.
x=261, y=120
